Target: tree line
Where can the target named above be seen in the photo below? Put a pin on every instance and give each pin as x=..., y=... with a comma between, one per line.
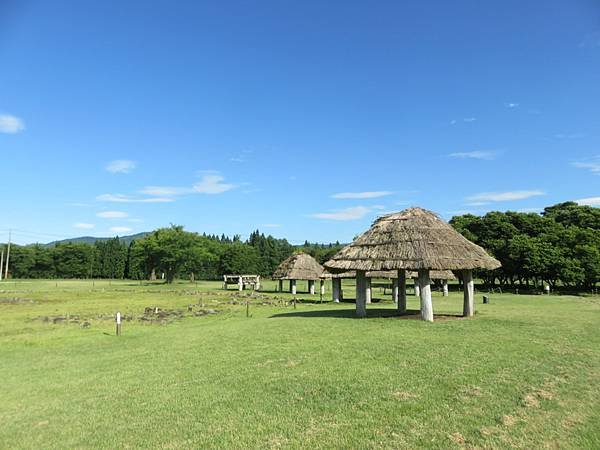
x=170, y=252
x=559, y=247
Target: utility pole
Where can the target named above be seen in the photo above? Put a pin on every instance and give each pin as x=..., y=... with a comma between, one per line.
x=1, y=264
x=7, y=257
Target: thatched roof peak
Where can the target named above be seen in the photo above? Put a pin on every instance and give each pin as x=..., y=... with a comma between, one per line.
x=300, y=266
x=412, y=239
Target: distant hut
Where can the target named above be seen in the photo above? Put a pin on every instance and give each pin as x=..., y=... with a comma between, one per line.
x=417, y=240
x=298, y=267
x=441, y=275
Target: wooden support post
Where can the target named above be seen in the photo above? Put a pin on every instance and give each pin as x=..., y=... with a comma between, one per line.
x=402, y=291
x=118, y=322
x=311, y=287
x=336, y=284
x=280, y=285
x=293, y=286
x=368, y=290
x=445, y=287
x=469, y=293
x=426, y=306
x=361, y=293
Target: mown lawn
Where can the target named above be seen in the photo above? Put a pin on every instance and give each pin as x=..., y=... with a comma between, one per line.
x=524, y=372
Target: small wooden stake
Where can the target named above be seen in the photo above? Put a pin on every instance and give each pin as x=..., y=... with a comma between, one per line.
x=118, y=320
x=247, y=308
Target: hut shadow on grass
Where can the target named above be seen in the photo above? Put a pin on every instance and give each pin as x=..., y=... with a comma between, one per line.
x=411, y=314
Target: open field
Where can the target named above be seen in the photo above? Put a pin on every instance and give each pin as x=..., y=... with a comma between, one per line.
x=524, y=372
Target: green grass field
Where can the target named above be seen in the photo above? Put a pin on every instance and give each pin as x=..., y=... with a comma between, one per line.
x=524, y=372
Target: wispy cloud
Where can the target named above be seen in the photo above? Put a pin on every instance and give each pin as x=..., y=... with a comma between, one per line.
x=83, y=226
x=121, y=166
x=165, y=191
x=362, y=195
x=466, y=119
x=354, y=213
x=569, y=135
x=477, y=154
x=504, y=196
x=120, y=229
x=121, y=198
x=590, y=201
x=112, y=214
x=212, y=183
x=593, y=165
x=11, y=124
x=271, y=225
x=477, y=203
x=511, y=105
x=591, y=40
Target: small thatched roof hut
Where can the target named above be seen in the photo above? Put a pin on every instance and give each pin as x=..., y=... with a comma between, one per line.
x=413, y=239
x=300, y=266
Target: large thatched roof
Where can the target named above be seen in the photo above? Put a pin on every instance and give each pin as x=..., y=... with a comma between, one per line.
x=298, y=267
x=412, y=239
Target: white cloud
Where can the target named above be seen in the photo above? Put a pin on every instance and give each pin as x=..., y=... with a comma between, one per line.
x=120, y=229
x=487, y=155
x=504, y=196
x=470, y=119
x=11, y=124
x=511, y=105
x=354, y=213
x=271, y=225
x=592, y=165
x=477, y=203
x=361, y=195
x=165, y=191
x=83, y=226
x=212, y=183
x=120, y=198
x=112, y=214
x=120, y=166
x=590, y=201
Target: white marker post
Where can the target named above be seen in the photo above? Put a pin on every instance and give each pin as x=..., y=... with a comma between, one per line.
x=118, y=320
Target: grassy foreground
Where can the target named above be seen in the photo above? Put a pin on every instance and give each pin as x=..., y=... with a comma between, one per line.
x=524, y=372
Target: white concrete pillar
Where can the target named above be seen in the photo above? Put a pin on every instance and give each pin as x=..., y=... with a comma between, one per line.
x=425, y=294
x=293, y=287
x=445, y=287
x=280, y=285
x=368, y=290
x=417, y=287
x=395, y=290
x=322, y=288
x=468, y=293
x=257, y=286
x=336, y=287
x=240, y=284
x=402, y=291
x=361, y=293
x=311, y=287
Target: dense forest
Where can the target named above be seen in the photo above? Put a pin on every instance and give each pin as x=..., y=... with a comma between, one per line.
x=174, y=252
x=560, y=247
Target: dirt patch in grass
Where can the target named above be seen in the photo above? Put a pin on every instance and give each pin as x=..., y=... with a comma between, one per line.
x=403, y=395
x=16, y=301
x=457, y=438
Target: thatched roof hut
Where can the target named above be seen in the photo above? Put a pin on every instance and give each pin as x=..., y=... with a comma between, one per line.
x=299, y=266
x=413, y=239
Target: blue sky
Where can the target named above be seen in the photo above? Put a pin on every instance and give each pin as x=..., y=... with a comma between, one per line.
x=303, y=119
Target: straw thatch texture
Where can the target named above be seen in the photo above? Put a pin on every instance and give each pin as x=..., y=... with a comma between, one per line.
x=298, y=267
x=435, y=275
x=412, y=239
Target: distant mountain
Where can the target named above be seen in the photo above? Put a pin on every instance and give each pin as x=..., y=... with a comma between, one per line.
x=90, y=239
